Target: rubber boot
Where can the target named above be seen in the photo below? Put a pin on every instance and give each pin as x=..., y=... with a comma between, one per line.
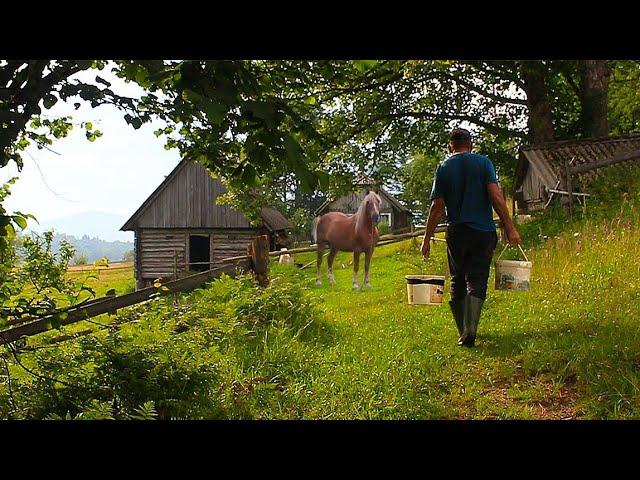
x=457, y=309
x=472, y=311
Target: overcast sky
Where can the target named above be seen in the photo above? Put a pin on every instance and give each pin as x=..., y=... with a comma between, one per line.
x=114, y=174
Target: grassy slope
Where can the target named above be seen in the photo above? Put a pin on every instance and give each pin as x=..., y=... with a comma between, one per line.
x=568, y=348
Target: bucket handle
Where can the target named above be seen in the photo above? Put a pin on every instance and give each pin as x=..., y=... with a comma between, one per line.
x=507, y=246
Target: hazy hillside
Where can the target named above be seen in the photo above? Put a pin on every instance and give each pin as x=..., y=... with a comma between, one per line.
x=94, y=248
x=105, y=226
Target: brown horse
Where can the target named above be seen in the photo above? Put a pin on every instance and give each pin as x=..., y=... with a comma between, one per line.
x=355, y=233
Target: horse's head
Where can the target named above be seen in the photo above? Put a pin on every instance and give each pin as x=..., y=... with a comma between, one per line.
x=372, y=205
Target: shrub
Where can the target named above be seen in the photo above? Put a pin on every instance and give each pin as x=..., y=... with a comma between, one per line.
x=230, y=350
x=383, y=228
x=80, y=259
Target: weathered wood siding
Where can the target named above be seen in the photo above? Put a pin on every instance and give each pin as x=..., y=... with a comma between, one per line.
x=399, y=220
x=165, y=252
x=158, y=249
x=349, y=204
x=230, y=243
x=189, y=200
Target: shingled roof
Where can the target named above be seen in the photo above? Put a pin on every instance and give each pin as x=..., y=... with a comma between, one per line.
x=549, y=159
x=274, y=220
x=383, y=193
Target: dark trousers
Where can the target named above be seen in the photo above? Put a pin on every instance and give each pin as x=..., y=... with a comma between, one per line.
x=469, y=252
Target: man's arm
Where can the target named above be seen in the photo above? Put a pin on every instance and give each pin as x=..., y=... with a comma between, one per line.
x=435, y=215
x=499, y=205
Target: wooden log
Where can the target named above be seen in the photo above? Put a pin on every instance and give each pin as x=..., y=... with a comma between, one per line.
x=260, y=259
x=569, y=187
x=562, y=192
x=404, y=236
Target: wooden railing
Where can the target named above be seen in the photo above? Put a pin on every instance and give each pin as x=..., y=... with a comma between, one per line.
x=256, y=260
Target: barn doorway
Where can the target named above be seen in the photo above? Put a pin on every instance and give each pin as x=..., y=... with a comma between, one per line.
x=199, y=253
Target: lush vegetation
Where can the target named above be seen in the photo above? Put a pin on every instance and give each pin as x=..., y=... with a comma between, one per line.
x=288, y=133
x=568, y=348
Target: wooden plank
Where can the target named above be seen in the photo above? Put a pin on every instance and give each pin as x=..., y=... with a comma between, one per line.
x=569, y=186
x=260, y=259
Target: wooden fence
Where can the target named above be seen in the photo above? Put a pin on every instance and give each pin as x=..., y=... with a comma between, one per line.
x=256, y=260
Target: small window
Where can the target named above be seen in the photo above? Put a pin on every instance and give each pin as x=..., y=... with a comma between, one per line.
x=386, y=217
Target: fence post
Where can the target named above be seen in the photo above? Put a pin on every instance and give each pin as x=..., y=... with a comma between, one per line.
x=258, y=250
x=569, y=187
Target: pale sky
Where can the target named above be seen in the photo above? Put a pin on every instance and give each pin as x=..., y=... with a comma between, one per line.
x=114, y=174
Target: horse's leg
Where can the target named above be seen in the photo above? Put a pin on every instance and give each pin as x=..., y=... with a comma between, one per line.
x=356, y=265
x=332, y=255
x=367, y=262
x=320, y=255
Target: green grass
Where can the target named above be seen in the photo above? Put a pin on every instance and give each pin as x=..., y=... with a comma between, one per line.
x=107, y=278
x=568, y=348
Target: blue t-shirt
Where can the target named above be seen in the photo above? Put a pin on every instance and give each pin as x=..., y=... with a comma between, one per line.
x=462, y=181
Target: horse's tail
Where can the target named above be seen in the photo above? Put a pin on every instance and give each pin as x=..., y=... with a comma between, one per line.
x=314, y=229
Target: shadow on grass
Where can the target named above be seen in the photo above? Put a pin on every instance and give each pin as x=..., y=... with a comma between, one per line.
x=515, y=343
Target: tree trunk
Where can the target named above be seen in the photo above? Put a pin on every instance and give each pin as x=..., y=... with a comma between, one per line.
x=594, y=91
x=540, y=121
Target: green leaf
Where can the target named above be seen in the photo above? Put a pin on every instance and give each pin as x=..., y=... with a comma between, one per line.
x=49, y=101
x=294, y=151
x=249, y=176
x=264, y=110
x=9, y=231
x=215, y=111
x=20, y=221
x=88, y=125
x=364, y=65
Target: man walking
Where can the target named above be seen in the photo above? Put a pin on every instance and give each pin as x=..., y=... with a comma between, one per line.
x=466, y=184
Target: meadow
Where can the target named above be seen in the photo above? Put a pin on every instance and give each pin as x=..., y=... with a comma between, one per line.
x=569, y=348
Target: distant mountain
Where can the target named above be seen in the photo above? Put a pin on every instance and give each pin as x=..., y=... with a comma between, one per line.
x=94, y=248
x=105, y=226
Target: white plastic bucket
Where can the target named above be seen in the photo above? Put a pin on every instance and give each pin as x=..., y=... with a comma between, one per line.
x=425, y=289
x=285, y=258
x=513, y=274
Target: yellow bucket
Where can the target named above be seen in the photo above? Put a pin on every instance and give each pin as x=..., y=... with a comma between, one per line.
x=513, y=274
x=425, y=289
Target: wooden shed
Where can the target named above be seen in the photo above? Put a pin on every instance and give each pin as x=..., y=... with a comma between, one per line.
x=180, y=228
x=392, y=211
x=541, y=168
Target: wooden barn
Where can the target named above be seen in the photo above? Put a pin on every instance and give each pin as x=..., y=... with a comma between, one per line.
x=541, y=169
x=180, y=228
x=397, y=216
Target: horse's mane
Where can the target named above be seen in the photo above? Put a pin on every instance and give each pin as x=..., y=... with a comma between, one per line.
x=360, y=213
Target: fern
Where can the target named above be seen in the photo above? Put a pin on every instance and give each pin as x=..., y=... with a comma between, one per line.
x=146, y=411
